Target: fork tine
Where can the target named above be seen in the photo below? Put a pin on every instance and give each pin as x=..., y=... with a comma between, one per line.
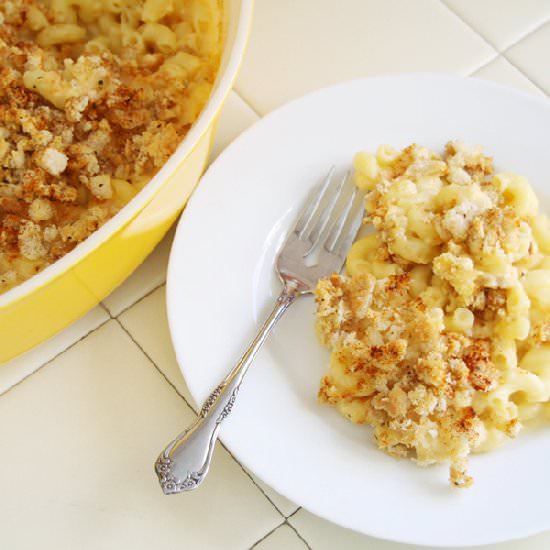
x=340, y=241
x=312, y=205
x=338, y=225
x=327, y=215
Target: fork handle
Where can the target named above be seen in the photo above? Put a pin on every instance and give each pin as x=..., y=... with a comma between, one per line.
x=184, y=463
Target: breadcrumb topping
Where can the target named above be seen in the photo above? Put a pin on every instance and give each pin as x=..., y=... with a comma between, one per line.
x=440, y=331
x=92, y=104
x=395, y=367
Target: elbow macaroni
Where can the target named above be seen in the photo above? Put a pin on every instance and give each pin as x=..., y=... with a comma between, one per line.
x=442, y=334
x=106, y=91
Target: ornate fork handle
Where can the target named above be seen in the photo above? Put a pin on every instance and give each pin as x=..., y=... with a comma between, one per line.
x=184, y=463
x=329, y=221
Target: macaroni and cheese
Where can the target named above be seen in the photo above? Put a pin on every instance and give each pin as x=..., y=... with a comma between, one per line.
x=95, y=95
x=440, y=330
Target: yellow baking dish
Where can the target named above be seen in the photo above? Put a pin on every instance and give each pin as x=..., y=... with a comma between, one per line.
x=51, y=300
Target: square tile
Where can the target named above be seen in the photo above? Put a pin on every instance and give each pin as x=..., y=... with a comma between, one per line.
x=17, y=369
x=284, y=537
x=531, y=57
x=147, y=323
x=502, y=71
x=502, y=23
x=300, y=45
x=78, y=443
x=324, y=535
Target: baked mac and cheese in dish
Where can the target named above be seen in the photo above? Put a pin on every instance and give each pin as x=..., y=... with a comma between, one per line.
x=440, y=330
x=95, y=95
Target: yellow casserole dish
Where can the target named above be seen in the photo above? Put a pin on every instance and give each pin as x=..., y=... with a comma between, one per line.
x=51, y=300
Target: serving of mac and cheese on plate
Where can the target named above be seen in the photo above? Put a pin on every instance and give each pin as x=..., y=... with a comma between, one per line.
x=440, y=330
x=95, y=96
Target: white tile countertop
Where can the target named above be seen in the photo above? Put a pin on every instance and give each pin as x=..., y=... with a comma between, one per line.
x=107, y=394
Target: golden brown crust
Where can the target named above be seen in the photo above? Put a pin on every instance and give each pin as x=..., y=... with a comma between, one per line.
x=394, y=366
x=101, y=115
x=428, y=330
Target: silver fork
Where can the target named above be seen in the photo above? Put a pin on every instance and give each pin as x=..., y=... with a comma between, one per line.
x=327, y=226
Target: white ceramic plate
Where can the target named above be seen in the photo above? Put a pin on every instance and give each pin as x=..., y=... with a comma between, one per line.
x=221, y=285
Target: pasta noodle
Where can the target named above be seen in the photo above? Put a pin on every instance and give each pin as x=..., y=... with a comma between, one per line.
x=440, y=330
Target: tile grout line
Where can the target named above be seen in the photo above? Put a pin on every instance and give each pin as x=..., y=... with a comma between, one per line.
x=104, y=308
x=475, y=31
x=483, y=65
x=526, y=35
x=267, y=535
x=157, y=368
x=485, y=39
x=51, y=359
x=505, y=50
x=298, y=535
x=294, y=513
x=247, y=102
x=135, y=302
x=130, y=335
x=285, y=522
x=296, y=530
x=253, y=480
x=470, y=26
x=503, y=56
x=521, y=71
